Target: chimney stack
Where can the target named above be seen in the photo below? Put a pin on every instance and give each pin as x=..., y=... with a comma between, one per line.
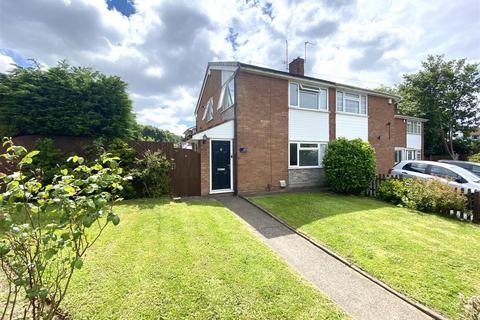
x=296, y=67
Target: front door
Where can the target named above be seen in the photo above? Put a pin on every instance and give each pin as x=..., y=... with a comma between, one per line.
x=221, y=161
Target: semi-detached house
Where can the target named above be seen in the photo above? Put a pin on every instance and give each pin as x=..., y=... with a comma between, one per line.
x=260, y=129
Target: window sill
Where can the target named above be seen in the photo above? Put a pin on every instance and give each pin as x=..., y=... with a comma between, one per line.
x=353, y=114
x=312, y=110
x=306, y=167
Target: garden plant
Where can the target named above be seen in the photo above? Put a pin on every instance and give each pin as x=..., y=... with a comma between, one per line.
x=48, y=229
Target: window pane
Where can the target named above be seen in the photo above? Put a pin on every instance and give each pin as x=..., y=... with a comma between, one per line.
x=308, y=157
x=293, y=94
x=339, y=101
x=352, y=106
x=308, y=145
x=363, y=105
x=308, y=100
x=231, y=88
x=293, y=154
x=323, y=99
x=409, y=127
x=351, y=96
x=419, y=167
x=323, y=147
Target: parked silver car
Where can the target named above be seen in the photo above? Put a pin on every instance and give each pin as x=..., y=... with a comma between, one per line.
x=473, y=167
x=450, y=174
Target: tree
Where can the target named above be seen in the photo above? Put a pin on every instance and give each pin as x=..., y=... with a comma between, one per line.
x=64, y=100
x=446, y=93
x=151, y=133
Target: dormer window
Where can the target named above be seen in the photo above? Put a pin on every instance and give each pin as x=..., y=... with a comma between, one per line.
x=307, y=97
x=227, y=97
x=208, y=114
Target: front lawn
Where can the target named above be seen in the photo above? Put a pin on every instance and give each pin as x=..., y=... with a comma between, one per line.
x=192, y=260
x=430, y=258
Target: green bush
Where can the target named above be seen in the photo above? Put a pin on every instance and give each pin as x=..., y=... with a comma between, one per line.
x=424, y=195
x=121, y=149
x=46, y=164
x=349, y=165
x=474, y=158
x=151, y=176
x=392, y=190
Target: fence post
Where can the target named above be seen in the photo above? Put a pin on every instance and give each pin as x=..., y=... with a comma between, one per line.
x=476, y=208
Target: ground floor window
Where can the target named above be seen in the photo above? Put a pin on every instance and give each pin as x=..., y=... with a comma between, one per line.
x=407, y=154
x=306, y=154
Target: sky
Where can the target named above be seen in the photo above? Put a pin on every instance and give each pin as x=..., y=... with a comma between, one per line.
x=161, y=48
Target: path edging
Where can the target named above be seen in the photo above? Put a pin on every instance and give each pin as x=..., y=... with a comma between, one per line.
x=378, y=282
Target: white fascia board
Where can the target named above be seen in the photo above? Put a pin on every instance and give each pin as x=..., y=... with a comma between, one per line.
x=222, y=131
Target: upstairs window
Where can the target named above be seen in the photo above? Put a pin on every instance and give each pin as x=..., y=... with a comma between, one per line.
x=308, y=97
x=227, y=98
x=208, y=114
x=351, y=102
x=414, y=127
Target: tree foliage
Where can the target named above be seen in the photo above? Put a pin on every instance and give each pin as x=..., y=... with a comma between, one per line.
x=48, y=228
x=350, y=165
x=151, y=133
x=447, y=94
x=64, y=100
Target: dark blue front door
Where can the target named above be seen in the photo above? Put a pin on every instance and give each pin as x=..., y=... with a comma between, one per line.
x=221, y=165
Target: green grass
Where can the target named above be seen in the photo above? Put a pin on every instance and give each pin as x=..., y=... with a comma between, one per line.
x=193, y=260
x=429, y=258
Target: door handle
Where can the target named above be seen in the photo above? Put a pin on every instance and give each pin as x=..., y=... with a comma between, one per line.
x=220, y=169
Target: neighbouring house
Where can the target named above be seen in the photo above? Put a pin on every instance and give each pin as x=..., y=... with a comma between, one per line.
x=260, y=129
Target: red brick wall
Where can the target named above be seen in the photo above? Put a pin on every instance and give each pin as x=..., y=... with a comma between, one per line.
x=384, y=132
x=213, y=88
x=204, y=149
x=332, y=108
x=262, y=128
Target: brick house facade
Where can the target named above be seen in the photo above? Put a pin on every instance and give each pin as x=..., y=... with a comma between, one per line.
x=261, y=129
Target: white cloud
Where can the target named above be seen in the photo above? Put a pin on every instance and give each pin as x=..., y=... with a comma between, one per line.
x=162, y=50
x=5, y=63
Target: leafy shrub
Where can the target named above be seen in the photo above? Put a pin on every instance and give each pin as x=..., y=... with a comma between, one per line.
x=121, y=149
x=474, y=158
x=392, y=190
x=471, y=308
x=424, y=195
x=349, y=165
x=47, y=162
x=48, y=228
x=151, y=176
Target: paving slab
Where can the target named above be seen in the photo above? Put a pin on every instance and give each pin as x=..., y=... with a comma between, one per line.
x=357, y=295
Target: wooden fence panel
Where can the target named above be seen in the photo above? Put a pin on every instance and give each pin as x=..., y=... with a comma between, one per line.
x=472, y=208
x=185, y=177
x=186, y=173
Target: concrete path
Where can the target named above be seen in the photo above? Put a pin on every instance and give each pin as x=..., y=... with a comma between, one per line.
x=355, y=294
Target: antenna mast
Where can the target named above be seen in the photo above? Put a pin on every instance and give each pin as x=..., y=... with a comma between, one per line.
x=286, y=54
x=307, y=42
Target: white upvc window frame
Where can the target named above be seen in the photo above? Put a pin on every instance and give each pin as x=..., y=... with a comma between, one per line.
x=414, y=127
x=406, y=154
x=321, y=153
x=208, y=114
x=310, y=89
x=226, y=86
x=361, y=97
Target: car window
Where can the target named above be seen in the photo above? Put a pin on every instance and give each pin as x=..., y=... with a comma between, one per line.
x=475, y=169
x=443, y=173
x=416, y=167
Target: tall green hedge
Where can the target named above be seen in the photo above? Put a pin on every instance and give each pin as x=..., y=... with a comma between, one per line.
x=349, y=165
